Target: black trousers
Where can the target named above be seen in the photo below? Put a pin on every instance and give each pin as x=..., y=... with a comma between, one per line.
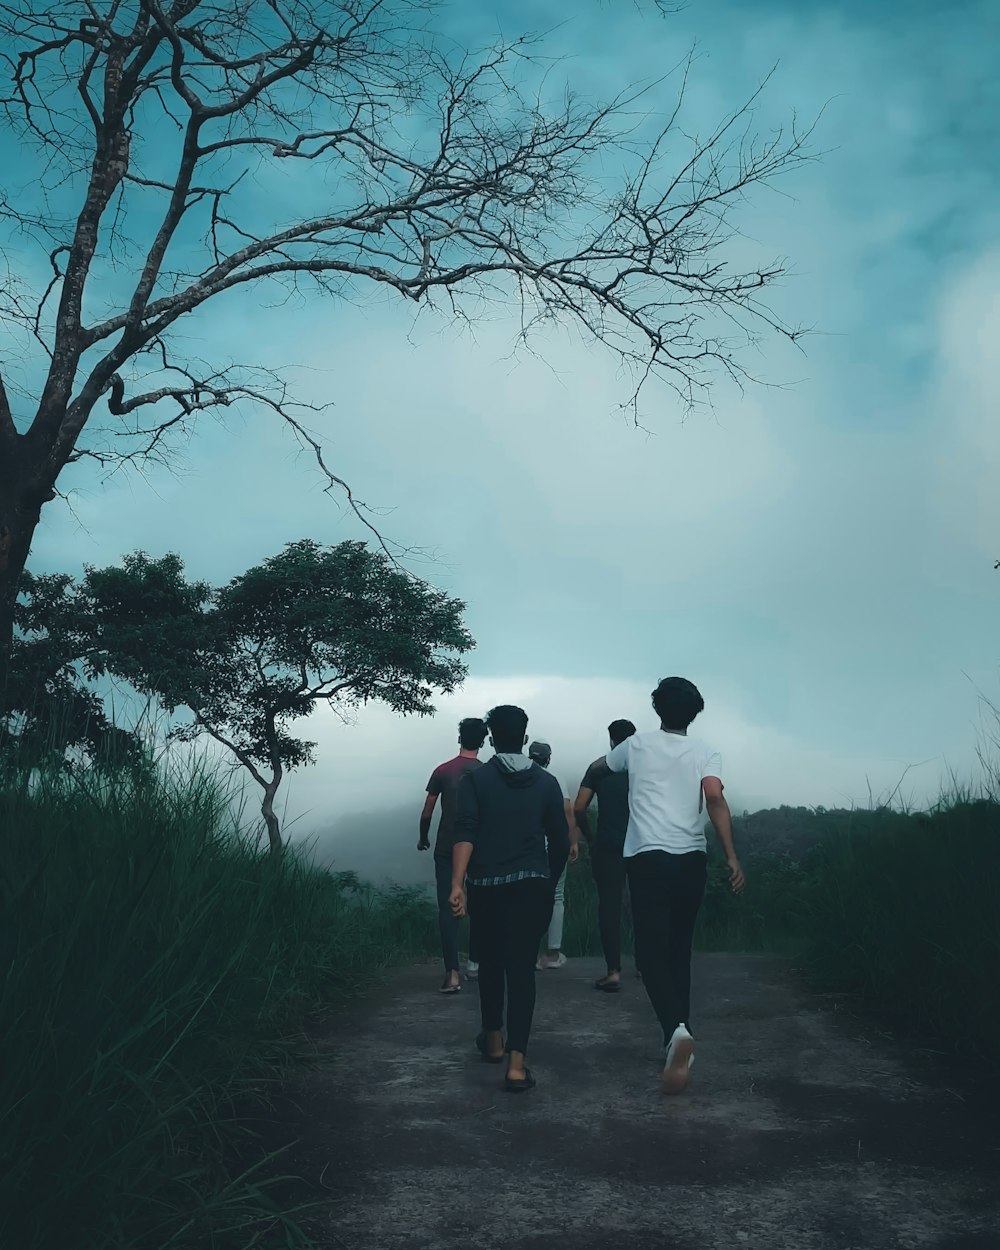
x=666, y=892
x=608, y=868
x=509, y=921
x=447, y=923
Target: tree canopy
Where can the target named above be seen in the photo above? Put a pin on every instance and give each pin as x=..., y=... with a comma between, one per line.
x=53, y=714
x=339, y=625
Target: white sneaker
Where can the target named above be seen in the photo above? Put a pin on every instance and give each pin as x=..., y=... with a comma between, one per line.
x=680, y=1060
x=558, y=962
x=471, y=971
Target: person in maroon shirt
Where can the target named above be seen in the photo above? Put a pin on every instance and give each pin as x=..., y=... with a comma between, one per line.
x=443, y=784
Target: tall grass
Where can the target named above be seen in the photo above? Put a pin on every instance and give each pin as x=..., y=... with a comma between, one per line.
x=903, y=912
x=154, y=963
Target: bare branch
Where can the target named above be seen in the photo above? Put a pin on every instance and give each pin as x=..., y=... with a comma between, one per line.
x=446, y=178
x=245, y=759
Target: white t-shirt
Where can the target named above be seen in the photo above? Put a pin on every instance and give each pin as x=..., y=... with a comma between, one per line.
x=665, y=802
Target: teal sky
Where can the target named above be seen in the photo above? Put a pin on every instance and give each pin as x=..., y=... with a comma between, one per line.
x=815, y=554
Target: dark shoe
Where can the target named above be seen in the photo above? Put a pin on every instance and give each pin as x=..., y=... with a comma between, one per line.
x=607, y=985
x=481, y=1047
x=448, y=988
x=518, y=1087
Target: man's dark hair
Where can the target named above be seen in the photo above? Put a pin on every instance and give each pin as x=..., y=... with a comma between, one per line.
x=471, y=733
x=677, y=701
x=619, y=730
x=507, y=725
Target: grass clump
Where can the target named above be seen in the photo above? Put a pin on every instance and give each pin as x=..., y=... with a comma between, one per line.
x=902, y=912
x=154, y=966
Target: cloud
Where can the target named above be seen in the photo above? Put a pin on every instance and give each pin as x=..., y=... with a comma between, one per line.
x=969, y=400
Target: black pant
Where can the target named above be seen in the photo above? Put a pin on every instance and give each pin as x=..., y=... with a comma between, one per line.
x=608, y=868
x=509, y=922
x=666, y=893
x=447, y=922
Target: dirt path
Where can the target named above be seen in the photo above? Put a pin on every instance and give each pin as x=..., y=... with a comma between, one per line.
x=801, y=1130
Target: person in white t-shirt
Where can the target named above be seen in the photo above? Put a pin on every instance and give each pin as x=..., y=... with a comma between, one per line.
x=674, y=781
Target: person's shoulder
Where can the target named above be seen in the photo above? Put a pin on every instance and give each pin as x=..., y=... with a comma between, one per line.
x=704, y=749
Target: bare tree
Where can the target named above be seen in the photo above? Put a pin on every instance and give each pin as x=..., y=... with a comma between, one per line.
x=446, y=178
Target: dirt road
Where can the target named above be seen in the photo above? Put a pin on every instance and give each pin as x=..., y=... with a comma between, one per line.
x=802, y=1129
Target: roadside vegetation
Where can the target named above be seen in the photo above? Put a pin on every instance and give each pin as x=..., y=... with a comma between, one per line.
x=157, y=967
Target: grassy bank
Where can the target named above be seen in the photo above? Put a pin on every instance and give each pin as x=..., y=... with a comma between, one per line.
x=902, y=912
x=155, y=965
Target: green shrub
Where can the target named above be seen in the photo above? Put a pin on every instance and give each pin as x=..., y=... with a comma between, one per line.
x=154, y=963
x=903, y=912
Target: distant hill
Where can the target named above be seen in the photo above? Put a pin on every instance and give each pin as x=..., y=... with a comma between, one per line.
x=794, y=831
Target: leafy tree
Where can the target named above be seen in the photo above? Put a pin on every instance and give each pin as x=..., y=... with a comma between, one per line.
x=447, y=179
x=52, y=714
x=338, y=625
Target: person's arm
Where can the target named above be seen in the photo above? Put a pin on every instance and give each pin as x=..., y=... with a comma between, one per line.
x=425, y=822
x=722, y=822
x=580, y=804
x=582, y=801
x=556, y=827
x=460, y=857
x=466, y=832
x=573, y=832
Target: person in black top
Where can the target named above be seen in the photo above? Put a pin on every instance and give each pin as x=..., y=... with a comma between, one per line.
x=606, y=859
x=511, y=843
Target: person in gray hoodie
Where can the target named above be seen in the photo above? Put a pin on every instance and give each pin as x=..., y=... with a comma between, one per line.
x=511, y=845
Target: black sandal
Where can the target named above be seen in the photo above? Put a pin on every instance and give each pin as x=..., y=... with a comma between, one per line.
x=518, y=1087
x=448, y=988
x=607, y=985
x=481, y=1047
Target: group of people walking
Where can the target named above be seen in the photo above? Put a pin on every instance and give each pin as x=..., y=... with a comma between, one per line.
x=507, y=832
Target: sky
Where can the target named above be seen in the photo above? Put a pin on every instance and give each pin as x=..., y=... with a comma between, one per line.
x=816, y=552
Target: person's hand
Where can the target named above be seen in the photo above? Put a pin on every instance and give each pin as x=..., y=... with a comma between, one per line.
x=423, y=845
x=736, y=878
x=456, y=901
x=574, y=852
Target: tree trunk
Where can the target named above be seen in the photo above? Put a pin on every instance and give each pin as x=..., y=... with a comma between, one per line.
x=267, y=810
x=21, y=501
